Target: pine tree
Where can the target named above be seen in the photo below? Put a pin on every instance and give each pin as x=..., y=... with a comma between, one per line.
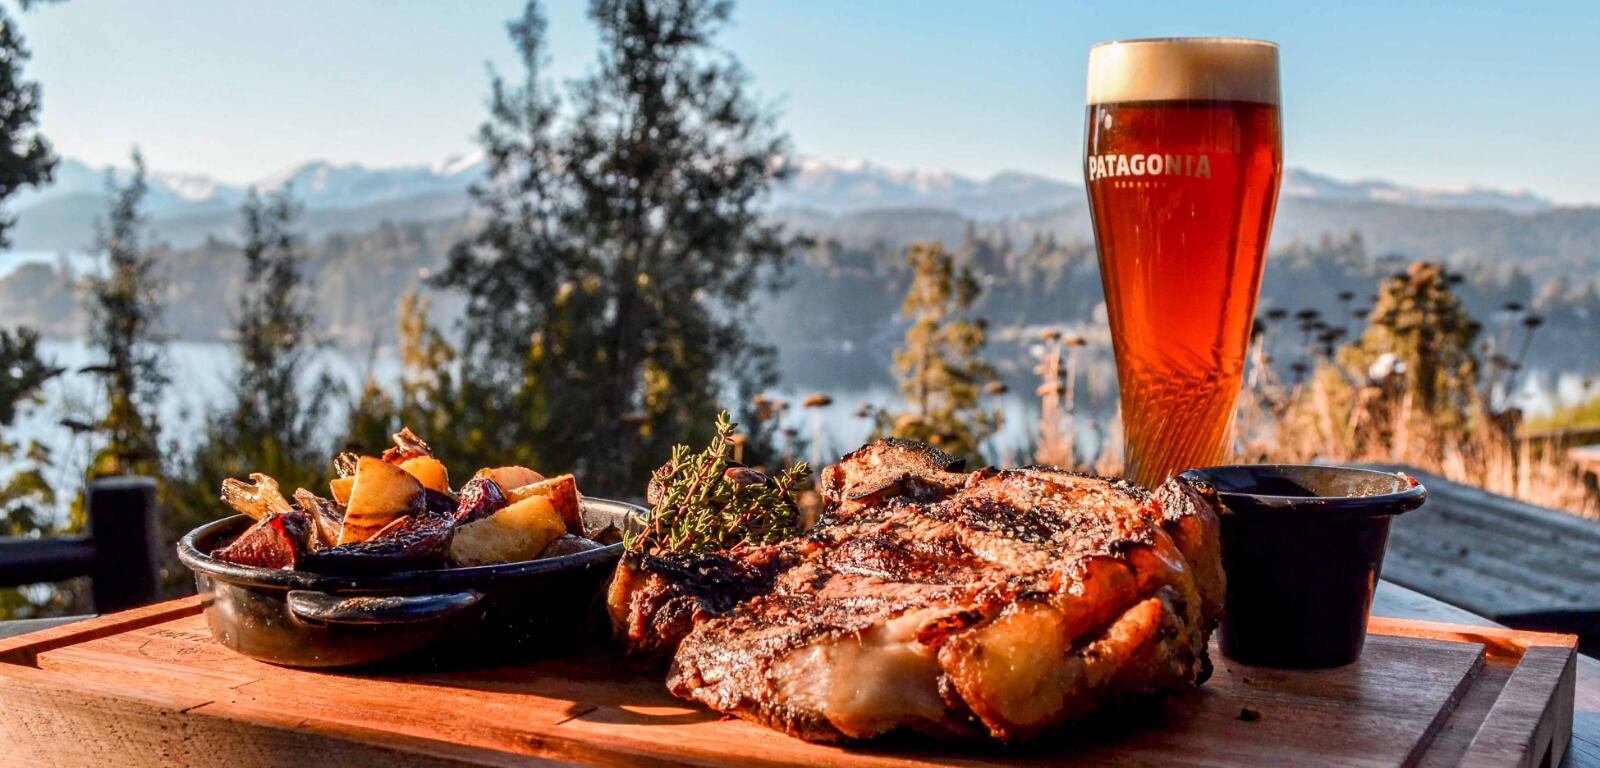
x=1407, y=386
x=434, y=399
x=1419, y=320
x=22, y=372
x=25, y=160
x=25, y=157
x=275, y=420
x=27, y=501
x=940, y=371
x=607, y=290
x=275, y=340
x=124, y=317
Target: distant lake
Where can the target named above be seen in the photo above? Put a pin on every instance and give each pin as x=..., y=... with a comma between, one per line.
x=200, y=372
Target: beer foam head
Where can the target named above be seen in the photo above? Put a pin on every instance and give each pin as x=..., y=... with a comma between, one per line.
x=1184, y=68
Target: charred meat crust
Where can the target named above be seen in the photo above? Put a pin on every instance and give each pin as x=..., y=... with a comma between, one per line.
x=940, y=602
x=656, y=599
x=891, y=468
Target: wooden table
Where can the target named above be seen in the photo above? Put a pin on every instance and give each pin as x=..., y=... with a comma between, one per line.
x=1515, y=563
x=1396, y=601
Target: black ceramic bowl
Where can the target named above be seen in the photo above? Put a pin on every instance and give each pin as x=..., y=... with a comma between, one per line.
x=1302, y=546
x=428, y=618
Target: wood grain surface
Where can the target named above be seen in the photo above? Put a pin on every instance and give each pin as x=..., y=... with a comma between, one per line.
x=151, y=688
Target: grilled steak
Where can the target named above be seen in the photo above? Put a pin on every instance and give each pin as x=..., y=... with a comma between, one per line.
x=998, y=602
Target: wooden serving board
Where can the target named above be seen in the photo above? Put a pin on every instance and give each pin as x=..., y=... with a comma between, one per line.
x=149, y=687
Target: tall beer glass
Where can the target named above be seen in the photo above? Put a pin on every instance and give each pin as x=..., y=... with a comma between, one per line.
x=1182, y=159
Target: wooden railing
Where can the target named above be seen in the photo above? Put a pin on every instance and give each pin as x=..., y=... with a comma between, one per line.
x=118, y=554
x=1562, y=439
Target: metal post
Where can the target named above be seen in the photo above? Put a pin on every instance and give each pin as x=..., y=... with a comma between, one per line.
x=124, y=528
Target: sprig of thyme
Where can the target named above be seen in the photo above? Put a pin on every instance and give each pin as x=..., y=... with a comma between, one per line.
x=698, y=505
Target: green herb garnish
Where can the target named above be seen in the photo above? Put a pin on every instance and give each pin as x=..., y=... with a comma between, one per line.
x=705, y=501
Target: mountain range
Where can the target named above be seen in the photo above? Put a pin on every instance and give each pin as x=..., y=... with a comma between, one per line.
x=186, y=207
x=371, y=234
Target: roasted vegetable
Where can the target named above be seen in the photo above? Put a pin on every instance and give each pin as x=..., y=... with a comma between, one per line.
x=428, y=471
x=510, y=477
x=414, y=543
x=278, y=540
x=406, y=446
x=339, y=488
x=393, y=526
x=562, y=491
x=480, y=498
x=326, y=516
x=520, y=531
x=257, y=499
x=436, y=504
x=398, y=512
x=418, y=541
x=382, y=492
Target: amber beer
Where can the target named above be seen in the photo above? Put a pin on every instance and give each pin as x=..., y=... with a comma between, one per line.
x=1182, y=159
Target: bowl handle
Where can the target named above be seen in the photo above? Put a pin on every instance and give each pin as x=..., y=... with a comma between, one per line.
x=311, y=605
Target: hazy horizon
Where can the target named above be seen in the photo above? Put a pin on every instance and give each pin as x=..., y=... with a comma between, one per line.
x=847, y=162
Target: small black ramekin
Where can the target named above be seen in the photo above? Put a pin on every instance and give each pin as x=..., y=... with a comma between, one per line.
x=1302, y=546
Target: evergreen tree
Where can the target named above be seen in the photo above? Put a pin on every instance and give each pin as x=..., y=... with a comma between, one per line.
x=275, y=338
x=607, y=290
x=275, y=421
x=25, y=157
x=1419, y=320
x=124, y=314
x=940, y=371
x=433, y=399
x=22, y=372
x=1408, y=385
x=27, y=501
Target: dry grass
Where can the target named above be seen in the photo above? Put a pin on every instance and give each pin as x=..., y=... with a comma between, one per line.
x=1333, y=418
x=1334, y=415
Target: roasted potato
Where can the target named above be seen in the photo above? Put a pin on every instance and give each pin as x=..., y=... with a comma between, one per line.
x=428, y=471
x=562, y=491
x=519, y=531
x=381, y=493
x=398, y=511
x=510, y=477
x=339, y=488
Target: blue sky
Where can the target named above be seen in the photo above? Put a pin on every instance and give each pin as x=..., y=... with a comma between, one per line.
x=1428, y=93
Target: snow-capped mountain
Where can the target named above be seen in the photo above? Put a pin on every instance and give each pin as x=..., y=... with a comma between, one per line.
x=850, y=185
x=843, y=186
x=1305, y=184
x=53, y=216
x=321, y=184
x=317, y=185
